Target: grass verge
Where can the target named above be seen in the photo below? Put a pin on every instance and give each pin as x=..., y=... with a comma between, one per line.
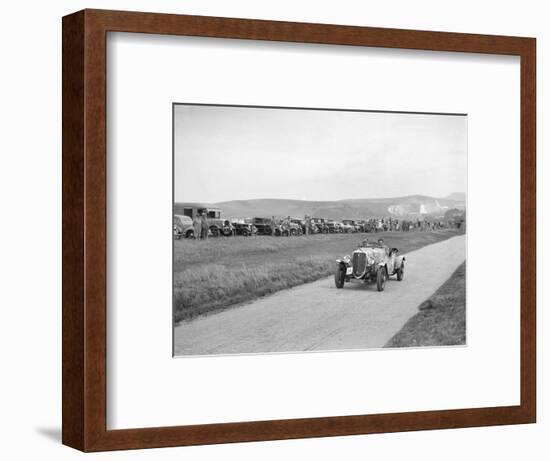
x=218, y=273
x=441, y=320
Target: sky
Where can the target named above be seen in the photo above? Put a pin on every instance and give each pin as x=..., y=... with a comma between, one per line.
x=240, y=153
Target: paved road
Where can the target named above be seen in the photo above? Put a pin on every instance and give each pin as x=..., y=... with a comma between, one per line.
x=317, y=316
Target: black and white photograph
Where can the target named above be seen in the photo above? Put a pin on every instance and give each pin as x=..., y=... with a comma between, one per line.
x=303, y=230
x=275, y=230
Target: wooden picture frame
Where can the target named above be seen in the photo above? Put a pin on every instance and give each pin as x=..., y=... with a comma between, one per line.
x=85, y=222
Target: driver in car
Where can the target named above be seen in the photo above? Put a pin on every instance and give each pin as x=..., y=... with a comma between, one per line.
x=383, y=245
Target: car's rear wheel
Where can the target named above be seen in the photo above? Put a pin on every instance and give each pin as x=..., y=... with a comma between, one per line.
x=401, y=272
x=189, y=234
x=215, y=232
x=245, y=233
x=381, y=278
x=340, y=276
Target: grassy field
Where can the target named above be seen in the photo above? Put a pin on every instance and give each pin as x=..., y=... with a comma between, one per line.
x=441, y=320
x=215, y=274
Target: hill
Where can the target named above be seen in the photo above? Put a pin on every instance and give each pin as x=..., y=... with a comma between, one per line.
x=458, y=196
x=342, y=209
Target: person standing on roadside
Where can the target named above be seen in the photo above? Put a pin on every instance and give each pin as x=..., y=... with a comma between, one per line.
x=286, y=226
x=204, y=226
x=273, y=225
x=197, y=227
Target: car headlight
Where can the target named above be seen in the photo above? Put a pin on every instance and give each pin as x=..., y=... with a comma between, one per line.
x=347, y=259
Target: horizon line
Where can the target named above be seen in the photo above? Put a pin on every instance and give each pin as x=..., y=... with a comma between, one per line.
x=316, y=200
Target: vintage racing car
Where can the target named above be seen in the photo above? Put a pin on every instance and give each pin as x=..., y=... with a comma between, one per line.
x=372, y=261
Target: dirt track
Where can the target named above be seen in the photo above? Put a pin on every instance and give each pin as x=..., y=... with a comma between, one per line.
x=317, y=316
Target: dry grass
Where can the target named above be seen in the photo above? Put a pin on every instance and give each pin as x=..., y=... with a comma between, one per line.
x=218, y=273
x=442, y=317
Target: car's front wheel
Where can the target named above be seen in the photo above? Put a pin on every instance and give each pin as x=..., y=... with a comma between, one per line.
x=381, y=278
x=401, y=272
x=340, y=276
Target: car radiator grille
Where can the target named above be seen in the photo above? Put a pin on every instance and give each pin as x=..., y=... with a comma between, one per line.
x=359, y=263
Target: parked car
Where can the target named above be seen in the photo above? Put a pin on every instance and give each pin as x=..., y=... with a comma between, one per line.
x=183, y=227
x=348, y=226
x=213, y=214
x=227, y=228
x=319, y=225
x=282, y=228
x=299, y=222
x=281, y=231
x=334, y=227
x=263, y=225
x=292, y=227
x=361, y=225
x=371, y=262
x=241, y=227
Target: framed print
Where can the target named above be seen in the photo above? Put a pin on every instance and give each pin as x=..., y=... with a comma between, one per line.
x=279, y=230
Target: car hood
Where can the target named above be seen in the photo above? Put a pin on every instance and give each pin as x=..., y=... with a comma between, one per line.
x=377, y=254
